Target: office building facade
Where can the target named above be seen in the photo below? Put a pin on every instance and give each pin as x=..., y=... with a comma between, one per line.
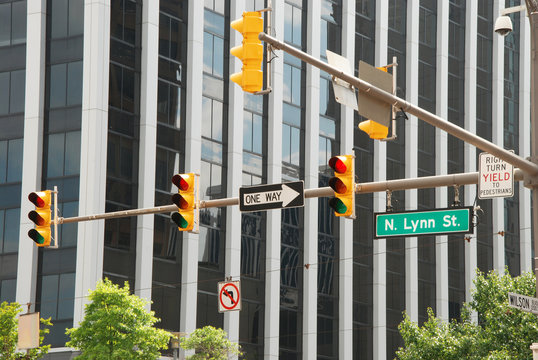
x=109, y=99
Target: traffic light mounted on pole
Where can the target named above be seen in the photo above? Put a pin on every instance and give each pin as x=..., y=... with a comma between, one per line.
x=41, y=217
x=187, y=202
x=343, y=184
x=250, y=52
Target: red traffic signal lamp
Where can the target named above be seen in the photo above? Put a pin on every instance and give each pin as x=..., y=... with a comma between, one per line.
x=343, y=184
x=41, y=217
x=250, y=52
x=185, y=200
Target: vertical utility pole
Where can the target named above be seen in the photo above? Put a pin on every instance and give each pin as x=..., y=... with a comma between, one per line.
x=532, y=10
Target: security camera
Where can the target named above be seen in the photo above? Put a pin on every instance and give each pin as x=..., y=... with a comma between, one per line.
x=503, y=25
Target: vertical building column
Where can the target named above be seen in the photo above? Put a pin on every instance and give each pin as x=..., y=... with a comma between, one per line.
x=441, y=145
x=497, y=131
x=310, y=278
x=234, y=173
x=525, y=219
x=148, y=143
x=274, y=175
x=193, y=153
x=379, y=202
x=470, y=125
x=33, y=145
x=93, y=149
x=345, y=283
x=411, y=155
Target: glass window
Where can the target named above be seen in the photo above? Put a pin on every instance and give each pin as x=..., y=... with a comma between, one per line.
x=16, y=101
x=76, y=17
x=18, y=29
x=74, y=83
x=5, y=24
x=57, y=85
x=58, y=21
x=4, y=84
x=3, y=161
x=11, y=230
x=72, y=153
x=14, y=161
x=55, y=155
x=8, y=290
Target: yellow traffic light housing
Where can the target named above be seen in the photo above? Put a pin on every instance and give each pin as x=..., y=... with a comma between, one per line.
x=186, y=201
x=374, y=129
x=343, y=184
x=41, y=217
x=250, y=52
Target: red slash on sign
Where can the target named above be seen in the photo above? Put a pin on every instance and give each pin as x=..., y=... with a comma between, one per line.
x=229, y=296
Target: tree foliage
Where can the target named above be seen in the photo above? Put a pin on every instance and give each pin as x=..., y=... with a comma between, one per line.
x=116, y=326
x=502, y=332
x=210, y=343
x=9, y=334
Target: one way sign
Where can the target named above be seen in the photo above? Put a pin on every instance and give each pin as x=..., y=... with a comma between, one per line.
x=273, y=196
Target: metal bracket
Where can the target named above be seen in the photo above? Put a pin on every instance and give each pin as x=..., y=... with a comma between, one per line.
x=457, y=202
x=389, y=207
x=529, y=181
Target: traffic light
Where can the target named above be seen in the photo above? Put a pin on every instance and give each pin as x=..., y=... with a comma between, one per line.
x=185, y=201
x=374, y=129
x=250, y=52
x=41, y=217
x=343, y=184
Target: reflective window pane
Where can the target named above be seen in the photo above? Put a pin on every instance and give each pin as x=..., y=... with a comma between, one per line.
x=74, y=83
x=76, y=17
x=3, y=161
x=18, y=29
x=4, y=84
x=5, y=24
x=14, y=161
x=11, y=231
x=58, y=21
x=72, y=153
x=55, y=155
x=16, y=101
x=57, y=85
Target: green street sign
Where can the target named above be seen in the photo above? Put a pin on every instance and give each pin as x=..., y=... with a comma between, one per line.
x=420, y=222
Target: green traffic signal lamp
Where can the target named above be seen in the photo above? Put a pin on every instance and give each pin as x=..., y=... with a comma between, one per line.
x=338, y=206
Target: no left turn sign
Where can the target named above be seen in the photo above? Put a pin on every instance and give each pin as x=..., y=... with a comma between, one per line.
x=229, y=296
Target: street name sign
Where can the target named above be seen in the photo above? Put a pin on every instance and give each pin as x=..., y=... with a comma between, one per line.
x=419, y=222
x=272, y=196
x=229, y=296
x=496, y=177
x=522, y=302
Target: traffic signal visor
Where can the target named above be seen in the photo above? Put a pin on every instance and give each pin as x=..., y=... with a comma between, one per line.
x=250, y=52
x=185, y=201
x=41, y=217
x=374, y=129
x=343, y=184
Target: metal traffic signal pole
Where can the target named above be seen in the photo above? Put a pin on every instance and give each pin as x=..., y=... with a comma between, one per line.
x=361, y=188
x=529, y=167
x=369, y=90
x=532, y=182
